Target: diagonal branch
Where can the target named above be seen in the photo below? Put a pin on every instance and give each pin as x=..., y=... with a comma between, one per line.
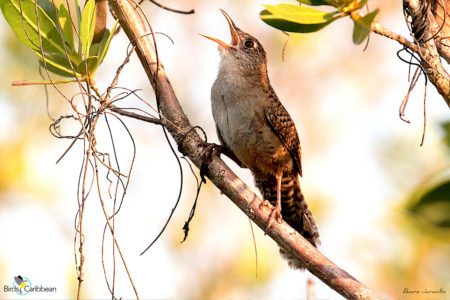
x=379, y=29
x=218, y=172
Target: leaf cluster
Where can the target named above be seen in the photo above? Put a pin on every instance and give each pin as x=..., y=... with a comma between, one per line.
x=64, y=48
x=305, y=19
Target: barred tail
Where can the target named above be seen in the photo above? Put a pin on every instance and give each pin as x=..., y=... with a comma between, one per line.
x=294, y=210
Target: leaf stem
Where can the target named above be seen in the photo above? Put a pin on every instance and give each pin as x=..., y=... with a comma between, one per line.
x=26, y=82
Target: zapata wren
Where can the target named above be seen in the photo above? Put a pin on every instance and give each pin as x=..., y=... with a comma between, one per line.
x=255, y=130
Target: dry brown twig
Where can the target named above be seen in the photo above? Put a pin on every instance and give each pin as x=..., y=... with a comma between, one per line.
x=92, y=108
x=88, y=107
x=186, y=12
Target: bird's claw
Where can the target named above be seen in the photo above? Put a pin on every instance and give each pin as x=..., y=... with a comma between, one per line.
x=208, y=153
x=275, y=214
x=278, y=217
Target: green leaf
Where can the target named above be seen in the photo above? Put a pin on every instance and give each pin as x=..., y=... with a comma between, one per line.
x=95, y=48
x=338, y=3
x=288, y=26
x=446, y=127
x=66, y=24
x=57, y=63
x=87, y=26
x=335, y=3
x=106, y=41
x=362, y=27
x=362, y=3
x=49, y=9
x=314, y=2
x=300, y=14
x=433, y=205
x=91, y=63
x=54, y=70
x=100, y=49
x=27, y=31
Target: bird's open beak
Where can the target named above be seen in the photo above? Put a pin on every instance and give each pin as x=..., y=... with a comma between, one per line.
x=234, y=36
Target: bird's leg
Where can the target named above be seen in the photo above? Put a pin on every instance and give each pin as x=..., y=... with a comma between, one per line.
x=276, y=212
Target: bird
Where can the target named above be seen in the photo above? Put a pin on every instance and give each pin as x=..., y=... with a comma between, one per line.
x=257, y=132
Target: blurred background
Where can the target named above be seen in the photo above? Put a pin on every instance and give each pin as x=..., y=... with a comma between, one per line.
x=364, y=171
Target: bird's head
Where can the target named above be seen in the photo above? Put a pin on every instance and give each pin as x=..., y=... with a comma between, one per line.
x=244, y=52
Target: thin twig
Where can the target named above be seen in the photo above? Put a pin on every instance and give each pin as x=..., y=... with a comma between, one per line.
x=178, y=198
x=283, y=52
x=404, y=103
x=186, y=12
x=107, y=217
x=125, y=187
x=135, y=115
x=192, y=212
x=379, y=29
x=80, y=225
x=256, y=248
x=103, y=261
x=310, y=293
x=424, y=115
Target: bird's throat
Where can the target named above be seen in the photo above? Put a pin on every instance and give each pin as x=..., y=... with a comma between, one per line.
x=241, y=75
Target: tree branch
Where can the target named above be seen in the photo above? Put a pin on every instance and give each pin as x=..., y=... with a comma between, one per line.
x=430, y=58
x=440, y=10
x=379, y=29
x=427, y=49
x=219, y=173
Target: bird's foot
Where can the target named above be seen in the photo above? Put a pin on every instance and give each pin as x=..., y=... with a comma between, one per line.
x=208, y=153
x=275, y=214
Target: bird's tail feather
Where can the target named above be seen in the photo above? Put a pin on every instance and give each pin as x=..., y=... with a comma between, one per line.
x=294, y=210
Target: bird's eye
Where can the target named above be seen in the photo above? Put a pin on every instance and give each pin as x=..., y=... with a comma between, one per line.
x=248, y=44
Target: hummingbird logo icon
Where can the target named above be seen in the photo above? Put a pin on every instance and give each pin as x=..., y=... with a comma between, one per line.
x=21, y=283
